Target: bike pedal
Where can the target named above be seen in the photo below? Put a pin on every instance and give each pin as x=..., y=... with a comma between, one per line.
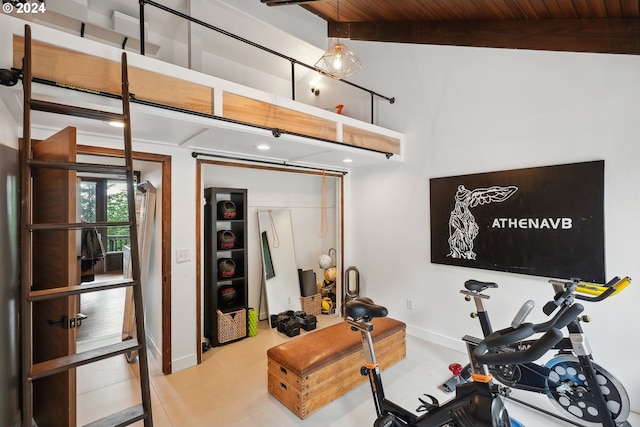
x=427, y=406
x=385, y=421
x=501, y=390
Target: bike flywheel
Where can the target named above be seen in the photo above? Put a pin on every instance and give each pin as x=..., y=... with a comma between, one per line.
x=569, y=390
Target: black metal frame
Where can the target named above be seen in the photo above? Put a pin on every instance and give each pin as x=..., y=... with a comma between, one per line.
x=293, y=61
x=482, y=396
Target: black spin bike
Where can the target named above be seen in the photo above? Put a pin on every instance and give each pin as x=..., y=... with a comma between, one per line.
x=582, y=390
x=476, y=403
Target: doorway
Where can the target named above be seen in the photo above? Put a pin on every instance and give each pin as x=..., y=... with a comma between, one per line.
x=156, y=169
x=315, y=200
x=103, y=199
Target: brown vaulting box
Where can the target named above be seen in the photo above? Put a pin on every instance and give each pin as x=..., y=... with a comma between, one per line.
x=314, y=369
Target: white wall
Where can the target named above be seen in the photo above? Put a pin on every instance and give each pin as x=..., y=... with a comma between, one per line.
x=183, y=275
x=468, y=110
x=9, y=272
x=152, y=172
x=8, y=130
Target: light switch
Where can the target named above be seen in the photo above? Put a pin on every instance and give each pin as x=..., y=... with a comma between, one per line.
x=183, y=255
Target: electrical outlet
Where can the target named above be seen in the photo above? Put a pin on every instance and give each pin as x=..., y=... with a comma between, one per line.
x=410, y=304
x=182, y=255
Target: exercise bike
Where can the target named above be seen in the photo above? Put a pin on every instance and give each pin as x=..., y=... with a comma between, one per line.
x=567, y=378
x=476, y=403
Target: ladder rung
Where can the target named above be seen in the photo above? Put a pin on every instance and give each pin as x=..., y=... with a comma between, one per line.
x=72, y=110
x=65, y=291
x=77, y=225
x=64, y=363
x=122, y=418
x=80, y=167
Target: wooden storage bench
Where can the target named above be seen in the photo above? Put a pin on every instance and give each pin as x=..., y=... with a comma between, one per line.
x=312, y=370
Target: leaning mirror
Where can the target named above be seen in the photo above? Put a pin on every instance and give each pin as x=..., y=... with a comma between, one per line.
x=280, y=273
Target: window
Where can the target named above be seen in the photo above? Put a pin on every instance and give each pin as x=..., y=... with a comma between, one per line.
x=88, y=200
x=117, y=211
x=105, y=200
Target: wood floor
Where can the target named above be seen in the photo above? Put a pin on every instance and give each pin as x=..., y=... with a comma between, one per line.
x=229, y=389
x=104, y=311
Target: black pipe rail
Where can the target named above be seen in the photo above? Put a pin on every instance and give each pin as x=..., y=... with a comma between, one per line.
x=293, y=61
x=283, y=164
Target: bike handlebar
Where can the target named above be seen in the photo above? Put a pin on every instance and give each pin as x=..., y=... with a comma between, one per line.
x=507, y=336
x=562, y=318
x=567, y=290
x=365, y=309
x=600, y=292
x=537, y=350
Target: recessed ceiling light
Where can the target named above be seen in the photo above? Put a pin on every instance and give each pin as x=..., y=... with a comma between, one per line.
x=116, y=123
x=262, y=147
x=347, y=160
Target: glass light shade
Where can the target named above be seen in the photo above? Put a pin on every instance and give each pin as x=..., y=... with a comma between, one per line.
x=338, y=61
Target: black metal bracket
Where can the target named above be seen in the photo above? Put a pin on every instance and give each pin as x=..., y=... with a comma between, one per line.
x=67, y=323
x=62, y=322
x=10, y=77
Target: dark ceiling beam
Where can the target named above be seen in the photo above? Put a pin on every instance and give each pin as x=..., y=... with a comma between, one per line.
x=621, y=36
x=285, y=2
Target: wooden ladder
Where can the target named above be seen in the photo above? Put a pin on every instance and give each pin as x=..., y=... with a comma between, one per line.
x=31, y=294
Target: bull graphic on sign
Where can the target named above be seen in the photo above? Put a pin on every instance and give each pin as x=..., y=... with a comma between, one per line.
x=463, y=228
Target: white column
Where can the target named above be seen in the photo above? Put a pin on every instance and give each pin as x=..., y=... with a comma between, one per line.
x=195, y=35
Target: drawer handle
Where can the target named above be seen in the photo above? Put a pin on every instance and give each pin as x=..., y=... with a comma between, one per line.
x=283, y=370
x=283, y=385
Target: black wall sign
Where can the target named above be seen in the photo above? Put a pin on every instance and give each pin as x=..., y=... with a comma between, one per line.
x=545, y=221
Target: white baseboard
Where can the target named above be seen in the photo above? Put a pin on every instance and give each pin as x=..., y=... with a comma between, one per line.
x=184, y=362
x=153, y=348
x=437, y=338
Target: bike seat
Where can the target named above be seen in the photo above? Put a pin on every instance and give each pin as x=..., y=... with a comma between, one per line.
x=478, y=286
x=363, y=307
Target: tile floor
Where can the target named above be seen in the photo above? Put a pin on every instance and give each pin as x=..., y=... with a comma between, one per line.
x=229, y=389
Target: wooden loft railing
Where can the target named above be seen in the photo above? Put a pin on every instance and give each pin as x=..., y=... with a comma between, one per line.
x=71, y=69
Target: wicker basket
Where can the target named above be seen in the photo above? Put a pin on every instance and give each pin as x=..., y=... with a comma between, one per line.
x=311, y=304
x=232, y=325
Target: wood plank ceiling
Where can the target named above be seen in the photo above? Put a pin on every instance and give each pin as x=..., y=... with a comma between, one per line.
x=602, y=26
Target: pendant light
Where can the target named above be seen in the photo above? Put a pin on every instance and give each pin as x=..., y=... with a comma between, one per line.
x=338, y=61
